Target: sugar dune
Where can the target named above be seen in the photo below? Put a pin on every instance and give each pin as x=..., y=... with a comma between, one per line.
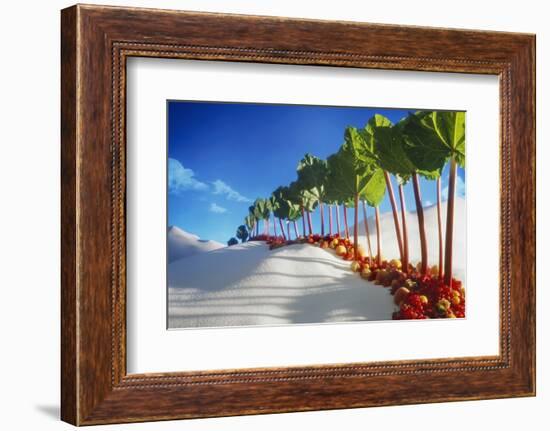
x=248, y=284
x=183, y=244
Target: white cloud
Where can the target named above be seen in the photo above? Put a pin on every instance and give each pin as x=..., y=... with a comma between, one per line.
x=460, y=188
x=428, y=203
x=221, y=188
x=215, y=208
x=180, y=178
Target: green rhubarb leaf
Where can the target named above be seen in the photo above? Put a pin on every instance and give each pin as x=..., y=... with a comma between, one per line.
x=294, y=193
x=377, y=121
x=294, y=213
x=341, y=181
x=249, y=221
x=431, y=175
x=282, y=205
x=433, y=137
x=352, y=171
x=302, y=197
x=261, y=209
x=272, y=203
x=293, y=206
x=333, y=191
x=312, y=174
x=403, y=179
x=310, y=199
x=451, y=128
x=422, y=146
x=373, y=188
x=389, y=146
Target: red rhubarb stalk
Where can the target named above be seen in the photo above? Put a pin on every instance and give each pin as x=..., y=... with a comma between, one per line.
x=421, y=228
x=450, y=223
x=378, y=236
x=295, y=228
x=439, y=228
x=282, y=229
x=356, y=228
x=322, y=218
x=346, y=221
x=367, y=233
x=395, y=214
x=303, y=221
x=405, y=261
x=309, y=223
x=338, y=219
x=330, y=220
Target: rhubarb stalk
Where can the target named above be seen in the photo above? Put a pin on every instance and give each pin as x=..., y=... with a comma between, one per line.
x=330, y=220
x=356, y=227
x=378, y=239
x=395, y=214
x=367, y=233
x=346, y=221
x=282, y=229
x=322, y=218
x=303, y=221
x=338, y=219
x=450, y=223
x=421, y=228
x=439, y=228
x=405, y=261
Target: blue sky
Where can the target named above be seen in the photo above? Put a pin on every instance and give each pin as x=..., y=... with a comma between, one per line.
x=222, y=156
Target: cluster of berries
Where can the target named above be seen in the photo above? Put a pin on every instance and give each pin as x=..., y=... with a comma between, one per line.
x=428, y=297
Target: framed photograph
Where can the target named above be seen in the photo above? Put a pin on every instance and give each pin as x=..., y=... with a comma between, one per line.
x=265, y=215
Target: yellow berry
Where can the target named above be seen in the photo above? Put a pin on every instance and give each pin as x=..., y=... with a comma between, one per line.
x=366, y=273
x=396, y=263
x=455, y=298
x=341, y=250
x=400, y=295
x=443, y=305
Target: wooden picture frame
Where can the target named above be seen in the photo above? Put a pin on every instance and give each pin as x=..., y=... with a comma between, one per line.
x=95, y=43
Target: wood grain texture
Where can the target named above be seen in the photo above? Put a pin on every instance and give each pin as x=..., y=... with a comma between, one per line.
x=96, y=41
x=69, y=367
